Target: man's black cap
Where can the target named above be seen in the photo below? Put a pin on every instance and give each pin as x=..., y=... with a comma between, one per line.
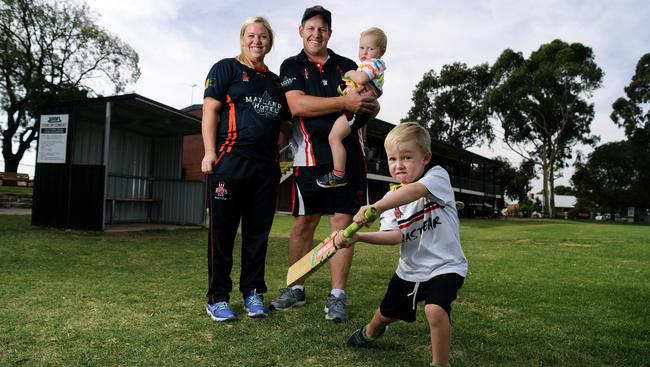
x=318, y=10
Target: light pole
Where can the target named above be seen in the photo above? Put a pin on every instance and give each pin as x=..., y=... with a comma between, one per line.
x=192, y=97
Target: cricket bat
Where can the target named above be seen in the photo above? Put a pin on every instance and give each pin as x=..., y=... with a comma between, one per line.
x=309, y=263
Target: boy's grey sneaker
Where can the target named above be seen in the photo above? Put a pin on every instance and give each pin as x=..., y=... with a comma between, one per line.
x=336, y=309
x=288, y=298
x=360, y=339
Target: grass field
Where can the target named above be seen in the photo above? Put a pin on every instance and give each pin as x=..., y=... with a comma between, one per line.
x=539, y=293
x=16, y=190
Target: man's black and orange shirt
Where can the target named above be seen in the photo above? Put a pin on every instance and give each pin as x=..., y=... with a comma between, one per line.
x=309, y=139
x=253, y=107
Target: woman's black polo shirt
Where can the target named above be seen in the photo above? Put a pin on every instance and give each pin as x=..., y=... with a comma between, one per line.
x=253, y=106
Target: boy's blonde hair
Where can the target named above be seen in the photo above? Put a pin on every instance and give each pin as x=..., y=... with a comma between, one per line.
x=379, y=35
x=409, y=132
x=248, y=22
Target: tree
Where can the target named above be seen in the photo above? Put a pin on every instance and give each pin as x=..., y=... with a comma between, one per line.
x=609, y=177
x=563, y=190
x=52, y=51
x=515, y=182
x=633, y=112
x=542, y=105
x=450, y=105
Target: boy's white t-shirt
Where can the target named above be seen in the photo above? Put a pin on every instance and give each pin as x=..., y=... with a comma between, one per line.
x=430, y=231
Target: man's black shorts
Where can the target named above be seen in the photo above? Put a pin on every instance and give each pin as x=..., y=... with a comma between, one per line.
x=309, y=198
x=440, y=290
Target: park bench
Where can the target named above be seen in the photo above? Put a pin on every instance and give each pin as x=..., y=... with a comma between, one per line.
x=20, y=179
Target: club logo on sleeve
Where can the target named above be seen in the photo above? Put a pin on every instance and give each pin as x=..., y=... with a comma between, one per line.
x=398, y=213
x=209, y=82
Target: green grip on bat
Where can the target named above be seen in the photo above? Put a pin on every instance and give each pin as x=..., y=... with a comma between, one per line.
x=370, y=214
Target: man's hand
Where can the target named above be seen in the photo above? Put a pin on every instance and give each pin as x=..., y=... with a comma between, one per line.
x=373, y=109
x=356, y=103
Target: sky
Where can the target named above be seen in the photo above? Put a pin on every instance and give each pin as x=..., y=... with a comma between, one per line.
x=179, y=40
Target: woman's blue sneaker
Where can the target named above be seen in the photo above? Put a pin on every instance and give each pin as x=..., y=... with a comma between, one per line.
x=220, y=311
x=254, y=305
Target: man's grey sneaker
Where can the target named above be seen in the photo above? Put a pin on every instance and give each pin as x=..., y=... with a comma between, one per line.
x=254, y=304
x=288, y=298
x=359, y=337
x=331, y=180
x=220, y=311
x=336, y=309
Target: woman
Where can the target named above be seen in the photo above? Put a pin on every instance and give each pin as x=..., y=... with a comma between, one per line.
x=243, y=110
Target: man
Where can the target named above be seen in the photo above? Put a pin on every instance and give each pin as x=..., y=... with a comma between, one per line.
x=310, y=81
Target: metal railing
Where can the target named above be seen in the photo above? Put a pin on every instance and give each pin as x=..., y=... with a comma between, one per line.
x=286, y=154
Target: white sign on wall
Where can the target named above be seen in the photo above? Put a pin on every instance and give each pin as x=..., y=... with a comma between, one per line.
x=53, y=137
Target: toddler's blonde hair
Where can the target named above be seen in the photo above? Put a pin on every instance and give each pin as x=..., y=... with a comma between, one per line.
x=380, y=37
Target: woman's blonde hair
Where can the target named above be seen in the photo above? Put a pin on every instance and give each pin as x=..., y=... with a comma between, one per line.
x=379, y=35
x=247, y=22
x=409, y=132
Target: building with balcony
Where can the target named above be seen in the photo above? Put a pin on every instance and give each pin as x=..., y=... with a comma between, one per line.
x=472, y=176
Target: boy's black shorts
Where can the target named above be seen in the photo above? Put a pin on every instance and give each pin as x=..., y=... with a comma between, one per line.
x=440, y=290
x=309, y=198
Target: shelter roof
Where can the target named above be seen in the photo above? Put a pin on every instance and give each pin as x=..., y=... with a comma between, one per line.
x=132, y=112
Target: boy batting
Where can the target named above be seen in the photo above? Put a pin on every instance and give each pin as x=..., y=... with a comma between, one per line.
x=420, y=215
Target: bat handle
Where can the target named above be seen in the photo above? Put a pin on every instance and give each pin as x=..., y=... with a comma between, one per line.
x=370, y=214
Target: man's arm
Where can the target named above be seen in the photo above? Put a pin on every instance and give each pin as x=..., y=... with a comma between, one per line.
x=302, y=104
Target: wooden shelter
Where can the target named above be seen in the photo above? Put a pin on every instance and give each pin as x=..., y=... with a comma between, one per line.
x=110, y=160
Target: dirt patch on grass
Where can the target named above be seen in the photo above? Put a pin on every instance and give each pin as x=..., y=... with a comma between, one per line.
x=571, y=244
